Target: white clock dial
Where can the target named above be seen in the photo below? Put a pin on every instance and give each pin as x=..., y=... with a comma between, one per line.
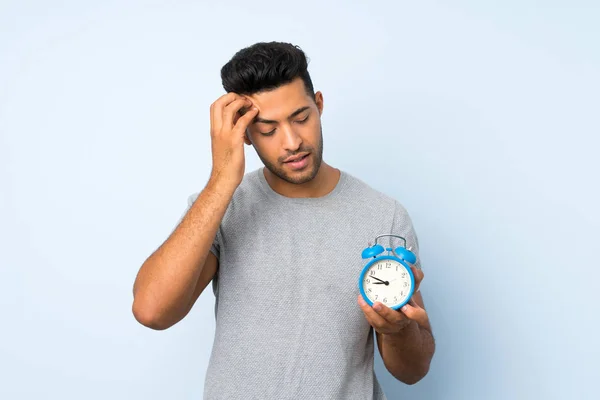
x=388, y=282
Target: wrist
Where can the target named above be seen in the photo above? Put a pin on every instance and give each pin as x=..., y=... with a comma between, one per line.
x=411, y=327
x=222, y=186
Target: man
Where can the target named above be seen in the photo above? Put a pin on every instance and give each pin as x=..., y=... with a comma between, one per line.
x=282, y=247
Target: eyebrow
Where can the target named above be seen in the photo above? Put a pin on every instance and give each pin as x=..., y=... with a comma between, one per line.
x=270, y=121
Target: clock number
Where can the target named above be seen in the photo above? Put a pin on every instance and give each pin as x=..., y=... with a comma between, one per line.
x=371, y=272
x=369, y=290
x=379, y=266
x=395, y=298
x=368, y=281
x=405, y=284
x=376, y=296
x=385, y=299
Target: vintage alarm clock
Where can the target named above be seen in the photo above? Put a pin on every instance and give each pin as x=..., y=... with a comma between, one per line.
x=387, y=278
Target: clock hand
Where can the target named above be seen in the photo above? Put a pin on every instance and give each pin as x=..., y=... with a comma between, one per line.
x=382, y=281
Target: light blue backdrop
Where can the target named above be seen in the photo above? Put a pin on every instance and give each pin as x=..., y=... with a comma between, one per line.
x=481, y=118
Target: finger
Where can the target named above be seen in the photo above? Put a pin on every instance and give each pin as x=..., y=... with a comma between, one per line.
x=414, y=312
x=243, y=110
x=419, y=275
x=216, y=109
x=390, y=315
x=245, y=120
x=230, y=111
x=376, y=320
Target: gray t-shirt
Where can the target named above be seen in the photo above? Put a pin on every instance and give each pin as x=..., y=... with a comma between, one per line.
x=288, y=325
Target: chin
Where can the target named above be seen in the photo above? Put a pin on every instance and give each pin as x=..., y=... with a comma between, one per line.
x=297, y=177
x=301, y=177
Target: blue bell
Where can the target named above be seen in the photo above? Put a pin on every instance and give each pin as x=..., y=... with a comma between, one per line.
x=405, y=255
x=372, y=251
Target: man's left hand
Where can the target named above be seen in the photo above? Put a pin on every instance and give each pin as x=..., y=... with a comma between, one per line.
x=386, y=320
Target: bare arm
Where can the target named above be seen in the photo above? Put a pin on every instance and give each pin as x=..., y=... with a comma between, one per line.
x=172, y=278
x=407, y=354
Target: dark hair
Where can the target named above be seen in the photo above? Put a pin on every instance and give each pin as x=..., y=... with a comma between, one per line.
x=266, y=66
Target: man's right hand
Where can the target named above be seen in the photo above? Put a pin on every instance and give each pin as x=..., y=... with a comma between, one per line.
x=227, y=131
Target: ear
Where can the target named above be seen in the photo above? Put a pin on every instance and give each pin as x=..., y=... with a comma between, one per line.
x=319, y=102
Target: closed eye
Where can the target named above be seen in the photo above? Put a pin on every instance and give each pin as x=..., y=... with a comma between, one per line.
x=302, y=121
x=268, y=133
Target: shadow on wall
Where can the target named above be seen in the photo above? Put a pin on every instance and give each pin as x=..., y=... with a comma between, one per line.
x=465, y=350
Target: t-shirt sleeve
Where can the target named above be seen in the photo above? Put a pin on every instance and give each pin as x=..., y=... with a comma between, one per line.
x=215, y=248
x=402, y=225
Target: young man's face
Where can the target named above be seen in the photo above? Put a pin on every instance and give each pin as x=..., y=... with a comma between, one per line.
x=288, y=125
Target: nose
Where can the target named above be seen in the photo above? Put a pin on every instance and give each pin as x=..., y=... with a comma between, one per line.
x=291, y=140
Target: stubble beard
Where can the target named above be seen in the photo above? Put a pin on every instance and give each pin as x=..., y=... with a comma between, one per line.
x=304, y=176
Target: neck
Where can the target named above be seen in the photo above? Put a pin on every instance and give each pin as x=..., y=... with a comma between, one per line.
x=324, y=182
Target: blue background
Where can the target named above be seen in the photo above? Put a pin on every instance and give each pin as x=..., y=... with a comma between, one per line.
x=481, y=117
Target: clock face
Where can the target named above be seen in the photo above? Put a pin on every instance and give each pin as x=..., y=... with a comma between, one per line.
x=388, y=282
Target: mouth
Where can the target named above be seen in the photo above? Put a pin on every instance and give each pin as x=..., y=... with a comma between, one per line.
x=296, y=158
x=298, y=162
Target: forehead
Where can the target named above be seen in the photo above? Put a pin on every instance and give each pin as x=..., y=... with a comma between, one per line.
x=280, y=102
